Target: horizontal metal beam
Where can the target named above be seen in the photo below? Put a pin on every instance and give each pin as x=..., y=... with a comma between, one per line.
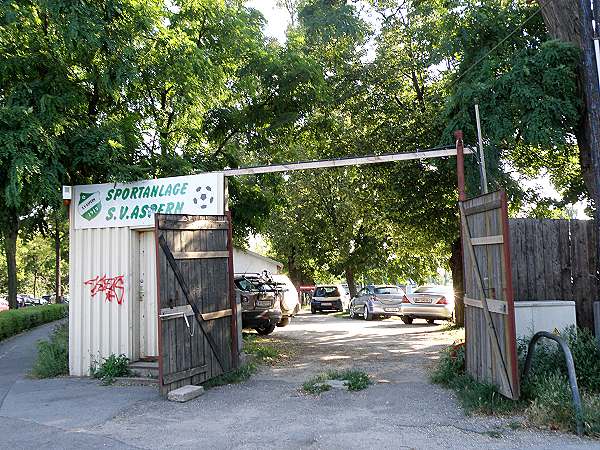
x=341, y=162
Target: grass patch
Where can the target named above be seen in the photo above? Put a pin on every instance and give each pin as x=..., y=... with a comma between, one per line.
x=451, y=326
x=355, y=380
x=15, y=321
x=110, y=368
x=53, y=354
x=261, y=348
x=235, y=376
x=546, y=396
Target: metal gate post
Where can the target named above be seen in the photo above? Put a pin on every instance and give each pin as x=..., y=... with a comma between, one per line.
x=570, y=370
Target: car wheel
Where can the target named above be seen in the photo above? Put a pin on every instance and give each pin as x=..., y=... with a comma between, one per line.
x=431, y=321
x=263, y=331
x=407, y=320
x=313, y=310
x=284, y=322
x=366, y=314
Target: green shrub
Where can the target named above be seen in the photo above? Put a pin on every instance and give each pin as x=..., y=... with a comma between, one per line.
x=53, y=354
x=110, y=368
x=15, y=321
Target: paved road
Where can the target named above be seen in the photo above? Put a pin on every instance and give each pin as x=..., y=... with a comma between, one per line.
x=401, y=410
x=55, y=413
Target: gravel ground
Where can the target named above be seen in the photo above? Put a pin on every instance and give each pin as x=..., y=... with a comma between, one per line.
x=400, y=410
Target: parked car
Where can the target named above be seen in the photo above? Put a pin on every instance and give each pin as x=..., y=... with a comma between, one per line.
x=290, y=303
x=377, y=301
x=261, y=300
x=429, y=302
x=4, y=304
x=24, y=300
x=329, y=297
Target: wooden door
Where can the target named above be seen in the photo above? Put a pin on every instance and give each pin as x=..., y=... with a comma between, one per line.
x=147, y=296
x=491, y=347
x=197, y=326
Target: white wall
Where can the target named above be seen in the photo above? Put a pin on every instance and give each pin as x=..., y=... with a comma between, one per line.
x=99, y=325
x=249, y=262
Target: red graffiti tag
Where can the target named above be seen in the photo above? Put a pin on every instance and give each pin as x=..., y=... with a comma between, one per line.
x=113, y=288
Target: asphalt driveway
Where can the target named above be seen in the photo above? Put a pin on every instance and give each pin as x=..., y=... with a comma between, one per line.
x=401, y=410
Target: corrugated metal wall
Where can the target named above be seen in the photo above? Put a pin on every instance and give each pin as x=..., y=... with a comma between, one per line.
x=98, y=324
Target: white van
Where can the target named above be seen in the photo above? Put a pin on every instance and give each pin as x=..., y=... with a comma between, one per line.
x=329, y=297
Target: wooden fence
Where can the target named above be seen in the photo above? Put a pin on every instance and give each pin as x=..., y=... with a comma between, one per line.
x=556, y=260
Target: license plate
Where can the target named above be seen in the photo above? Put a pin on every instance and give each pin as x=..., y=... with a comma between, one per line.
x=422, y=300
x=263, y=303
x=325, y=304
x=391, y=309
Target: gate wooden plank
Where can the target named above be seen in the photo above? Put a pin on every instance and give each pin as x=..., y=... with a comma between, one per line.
x=179, y=376
x=183, y=286
x=481, y=294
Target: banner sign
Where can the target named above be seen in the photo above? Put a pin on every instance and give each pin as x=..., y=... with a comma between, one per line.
x=134, y=204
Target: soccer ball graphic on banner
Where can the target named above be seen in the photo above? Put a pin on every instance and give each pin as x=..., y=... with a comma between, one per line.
x=204, y=196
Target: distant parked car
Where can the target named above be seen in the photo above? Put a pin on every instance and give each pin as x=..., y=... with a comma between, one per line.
x=429, y=302
x=329, y=297
x=377, y=301
x=4, y=304
x=261, y=302
x=24, y=300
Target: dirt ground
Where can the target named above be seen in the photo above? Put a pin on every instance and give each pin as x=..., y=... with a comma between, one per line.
x=400, y=410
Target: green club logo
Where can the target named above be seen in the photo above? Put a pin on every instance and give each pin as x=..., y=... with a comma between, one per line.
x=89, y=205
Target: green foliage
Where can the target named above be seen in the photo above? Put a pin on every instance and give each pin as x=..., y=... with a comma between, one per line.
x=107, y=369
x=238, y=375
x=546, y=395
x=17, y=320
x=53, y=354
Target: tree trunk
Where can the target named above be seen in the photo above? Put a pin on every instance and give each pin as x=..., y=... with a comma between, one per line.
x=11, y=233
x=57, y=274
x=456, y=266
x=351, y=281
x=562, y=19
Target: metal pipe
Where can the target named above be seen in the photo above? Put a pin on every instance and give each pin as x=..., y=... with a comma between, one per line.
x=460, y=165
x=570, y=370
x=484, y=183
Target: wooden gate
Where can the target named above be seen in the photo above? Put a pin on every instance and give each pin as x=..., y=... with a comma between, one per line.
x=197, y=318
x=491, y=353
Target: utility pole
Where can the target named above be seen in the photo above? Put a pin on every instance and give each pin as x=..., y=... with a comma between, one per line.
x=592, y=88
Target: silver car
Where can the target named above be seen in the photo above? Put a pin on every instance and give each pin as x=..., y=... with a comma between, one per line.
x=377, y=301
x=429, y=302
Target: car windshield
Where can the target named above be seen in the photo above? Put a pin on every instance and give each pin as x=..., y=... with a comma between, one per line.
x=388, y=290
x=326, y=291
x=431, y=290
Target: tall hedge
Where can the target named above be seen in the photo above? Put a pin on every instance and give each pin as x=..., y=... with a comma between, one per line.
x=15, y=321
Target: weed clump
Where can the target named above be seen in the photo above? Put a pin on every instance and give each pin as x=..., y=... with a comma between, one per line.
x=355, y=380
x=53, y=354
x=110, y=368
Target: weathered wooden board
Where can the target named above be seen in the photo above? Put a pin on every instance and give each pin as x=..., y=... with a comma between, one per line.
x=491, y=354
x=556, y=260
x=193, y=254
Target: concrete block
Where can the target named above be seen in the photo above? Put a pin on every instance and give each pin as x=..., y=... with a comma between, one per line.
x=185, y=393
